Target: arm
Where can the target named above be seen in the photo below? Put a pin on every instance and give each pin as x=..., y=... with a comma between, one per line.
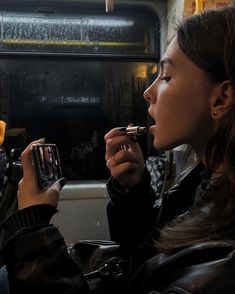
x=35, y=253
x=131, y=215
x=131, y=212
x=37, y=260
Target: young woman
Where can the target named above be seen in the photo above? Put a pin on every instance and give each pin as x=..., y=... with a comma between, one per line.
x=184, y=243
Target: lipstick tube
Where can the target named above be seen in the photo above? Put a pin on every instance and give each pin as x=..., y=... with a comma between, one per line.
x=136, y=130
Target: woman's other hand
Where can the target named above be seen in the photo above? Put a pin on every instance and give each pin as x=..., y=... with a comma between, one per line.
x=124, y=158
x=28, y=193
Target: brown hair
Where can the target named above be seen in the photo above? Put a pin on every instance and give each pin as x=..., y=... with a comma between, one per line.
x=208, y=39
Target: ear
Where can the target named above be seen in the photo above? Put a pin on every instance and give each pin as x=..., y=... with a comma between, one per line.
x=222, y=99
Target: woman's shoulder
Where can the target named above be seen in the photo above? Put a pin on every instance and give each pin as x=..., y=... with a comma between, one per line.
x=206, y=267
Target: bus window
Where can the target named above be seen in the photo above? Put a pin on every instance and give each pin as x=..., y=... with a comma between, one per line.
x=119, y=33
x=72, y=77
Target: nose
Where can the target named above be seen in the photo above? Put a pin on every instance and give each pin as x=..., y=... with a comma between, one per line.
x=149, y=93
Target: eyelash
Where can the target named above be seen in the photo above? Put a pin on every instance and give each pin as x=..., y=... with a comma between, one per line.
x=165, y=78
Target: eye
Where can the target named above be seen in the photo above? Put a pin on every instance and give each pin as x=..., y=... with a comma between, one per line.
x=165, y=78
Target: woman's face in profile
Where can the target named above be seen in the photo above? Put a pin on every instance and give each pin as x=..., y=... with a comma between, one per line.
x=179, y=102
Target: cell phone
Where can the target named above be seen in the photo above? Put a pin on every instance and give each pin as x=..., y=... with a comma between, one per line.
x=46, y=163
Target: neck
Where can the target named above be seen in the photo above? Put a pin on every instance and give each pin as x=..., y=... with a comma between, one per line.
x=201, y=153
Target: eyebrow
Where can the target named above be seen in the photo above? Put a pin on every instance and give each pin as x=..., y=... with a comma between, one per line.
x=166, y=60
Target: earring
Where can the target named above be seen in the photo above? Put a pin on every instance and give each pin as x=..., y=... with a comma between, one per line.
x=214, y=113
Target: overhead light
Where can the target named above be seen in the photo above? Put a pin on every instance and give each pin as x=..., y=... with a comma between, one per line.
x=109, y=4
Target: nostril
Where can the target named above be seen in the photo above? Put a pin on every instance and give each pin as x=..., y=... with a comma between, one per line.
x=146, y=96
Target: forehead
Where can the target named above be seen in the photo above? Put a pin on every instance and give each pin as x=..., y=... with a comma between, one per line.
x=173, y=52
x=176, y=57
x=173, y=45
x=181, y=64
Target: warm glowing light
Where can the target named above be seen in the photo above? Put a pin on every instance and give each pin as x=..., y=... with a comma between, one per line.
x=143, y=71
x=109, y=4
x=199, y=7
x=2, y=131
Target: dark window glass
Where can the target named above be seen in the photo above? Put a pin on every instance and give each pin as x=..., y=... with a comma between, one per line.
x=88, y=75
x=125, y=33
x=73, y=104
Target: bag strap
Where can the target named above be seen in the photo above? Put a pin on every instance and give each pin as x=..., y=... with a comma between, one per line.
x=113, y=268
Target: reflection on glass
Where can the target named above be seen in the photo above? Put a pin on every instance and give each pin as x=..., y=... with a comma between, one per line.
x=73, y=104
x=129, y=33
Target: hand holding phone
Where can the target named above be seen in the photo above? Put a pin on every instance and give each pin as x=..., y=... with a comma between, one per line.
x=36, y=190
x=46, y=163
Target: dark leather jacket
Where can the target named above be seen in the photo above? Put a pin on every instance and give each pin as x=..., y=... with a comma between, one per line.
x=38, y=261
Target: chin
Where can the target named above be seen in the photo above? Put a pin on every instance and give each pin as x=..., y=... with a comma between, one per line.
x=163, y=146
x=157, y=144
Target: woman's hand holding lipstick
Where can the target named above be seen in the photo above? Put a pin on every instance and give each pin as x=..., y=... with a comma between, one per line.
x=124, y=157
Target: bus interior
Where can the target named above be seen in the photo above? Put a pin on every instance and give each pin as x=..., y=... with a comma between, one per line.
x=71, y=71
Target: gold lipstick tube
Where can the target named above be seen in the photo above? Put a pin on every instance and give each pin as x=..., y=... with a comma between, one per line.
x=136, y=130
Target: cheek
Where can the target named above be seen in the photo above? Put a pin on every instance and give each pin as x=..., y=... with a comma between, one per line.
x=179, y=113
x=180, y=101
x=171, y=104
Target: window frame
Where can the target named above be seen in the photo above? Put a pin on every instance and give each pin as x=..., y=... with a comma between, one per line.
x=95, y=11
x=106, y=57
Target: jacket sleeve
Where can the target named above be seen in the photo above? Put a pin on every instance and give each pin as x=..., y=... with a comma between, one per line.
x=131, y=215
x=36, y=256
x=136, y=215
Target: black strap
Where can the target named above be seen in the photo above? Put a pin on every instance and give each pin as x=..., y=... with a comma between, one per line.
x=114, y=268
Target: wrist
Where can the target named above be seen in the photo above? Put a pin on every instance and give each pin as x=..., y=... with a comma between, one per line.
x=118, y=193
x=28, y=217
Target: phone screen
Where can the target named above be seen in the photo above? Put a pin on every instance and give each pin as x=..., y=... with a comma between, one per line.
x=46, y=164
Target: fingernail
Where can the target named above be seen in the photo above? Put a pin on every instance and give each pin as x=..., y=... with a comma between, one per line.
x=122, y=129
x=62, y=182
